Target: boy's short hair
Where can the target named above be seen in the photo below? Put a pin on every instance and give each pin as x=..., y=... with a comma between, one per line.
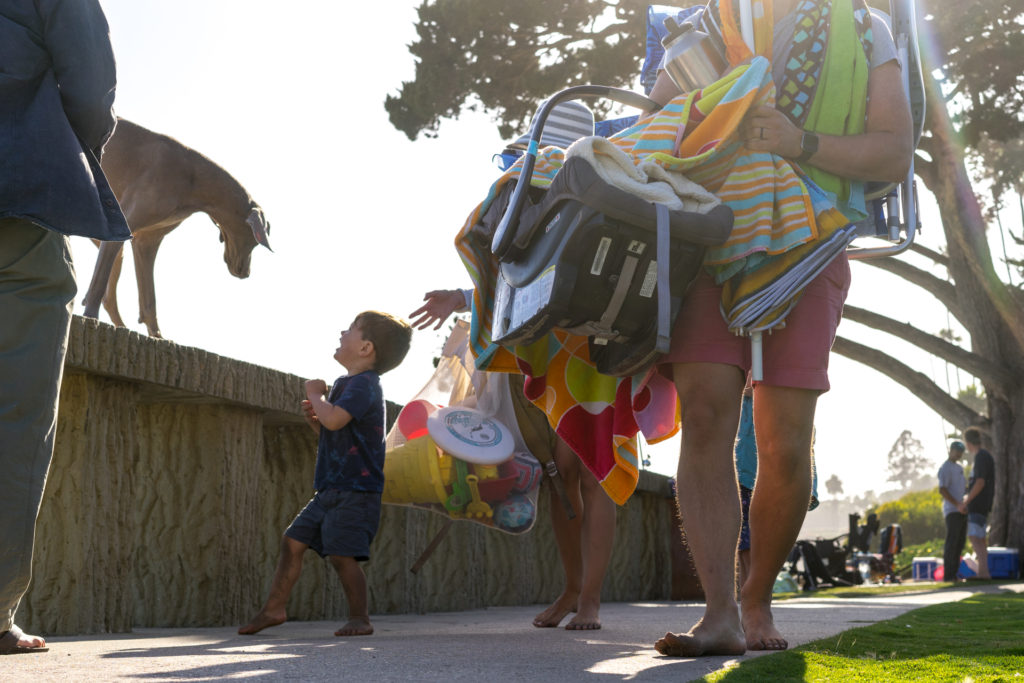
x=391, y=338
x=972, y=435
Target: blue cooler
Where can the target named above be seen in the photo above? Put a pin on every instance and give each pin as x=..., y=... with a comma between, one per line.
x=965, y=571
x=924, y=568
x=1003, y=563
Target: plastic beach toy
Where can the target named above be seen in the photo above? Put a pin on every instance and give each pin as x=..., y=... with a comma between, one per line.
x=416, y=472
x=470, y=435
x=412, y=421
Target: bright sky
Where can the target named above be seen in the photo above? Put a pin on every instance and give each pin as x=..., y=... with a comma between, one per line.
x=289, y=99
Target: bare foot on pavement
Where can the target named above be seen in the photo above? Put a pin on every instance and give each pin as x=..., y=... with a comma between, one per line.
x=760, y=631
x=260, y=622
x=356, y=626
x=586, y=618
x=552, y=616
x=703, y=640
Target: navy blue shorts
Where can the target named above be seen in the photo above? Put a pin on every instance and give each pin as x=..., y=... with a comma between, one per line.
x=341, y=523
x=745, y=494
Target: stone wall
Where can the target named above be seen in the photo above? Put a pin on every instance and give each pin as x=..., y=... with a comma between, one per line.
x=175, y=472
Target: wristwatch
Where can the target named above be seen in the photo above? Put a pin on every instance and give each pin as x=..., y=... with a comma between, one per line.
x=808, y=146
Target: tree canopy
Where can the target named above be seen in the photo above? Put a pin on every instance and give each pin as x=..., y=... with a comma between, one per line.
x=907, y=462
x=505, y=57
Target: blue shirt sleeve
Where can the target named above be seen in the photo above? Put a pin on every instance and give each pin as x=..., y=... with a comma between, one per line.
x=357, y=397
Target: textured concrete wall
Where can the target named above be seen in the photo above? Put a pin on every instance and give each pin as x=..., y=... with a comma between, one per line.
x=175, y=472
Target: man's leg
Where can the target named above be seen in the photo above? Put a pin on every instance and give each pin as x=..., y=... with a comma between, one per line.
x=353, y=581
x=568, y=534
x=961, y=539
x=37, y=291
x=289, y=567
x=952, y=547
x=783, y=423
x=597, y=537
x=709, y=504
x=976, y=532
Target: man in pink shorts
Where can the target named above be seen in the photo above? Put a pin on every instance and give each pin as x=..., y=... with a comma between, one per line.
x=709, y=365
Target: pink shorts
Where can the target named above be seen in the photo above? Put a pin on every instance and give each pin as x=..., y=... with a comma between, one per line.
x=794, y=356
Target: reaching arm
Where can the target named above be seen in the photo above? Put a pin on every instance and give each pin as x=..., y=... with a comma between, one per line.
x=327, y=415
x=440, y=304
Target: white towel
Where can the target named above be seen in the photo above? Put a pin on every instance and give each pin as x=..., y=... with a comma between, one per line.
x=646, y=180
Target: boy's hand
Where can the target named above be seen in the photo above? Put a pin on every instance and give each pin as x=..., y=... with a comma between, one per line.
x=310, y=415
x=440, y=304
x=315, y=387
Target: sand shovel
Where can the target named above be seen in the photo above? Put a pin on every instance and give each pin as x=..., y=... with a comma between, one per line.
x=477, y=508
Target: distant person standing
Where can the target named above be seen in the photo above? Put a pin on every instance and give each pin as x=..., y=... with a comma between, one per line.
x=980, y=491
x=952, y=486
x=57, y=82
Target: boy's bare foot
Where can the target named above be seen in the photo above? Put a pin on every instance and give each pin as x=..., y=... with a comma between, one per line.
x=704, y=640
x=356, y=626
x=759, y=628
x=260, y=622
x=552, y=616
x=586, y=618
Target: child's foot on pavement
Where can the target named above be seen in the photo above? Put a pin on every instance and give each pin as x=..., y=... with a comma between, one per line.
x=260, y=622
x=356, y=626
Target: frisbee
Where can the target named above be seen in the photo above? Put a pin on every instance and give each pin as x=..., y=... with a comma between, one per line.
x=470, y=435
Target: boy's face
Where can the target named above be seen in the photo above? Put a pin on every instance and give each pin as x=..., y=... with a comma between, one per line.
x=352, y=346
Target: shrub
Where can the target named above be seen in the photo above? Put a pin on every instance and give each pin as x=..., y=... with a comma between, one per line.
x=919, y=515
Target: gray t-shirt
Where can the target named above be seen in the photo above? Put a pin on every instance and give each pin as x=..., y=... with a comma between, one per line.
x=951, y=478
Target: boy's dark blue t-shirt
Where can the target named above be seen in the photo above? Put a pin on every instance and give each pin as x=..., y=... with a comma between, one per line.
x=352, y=458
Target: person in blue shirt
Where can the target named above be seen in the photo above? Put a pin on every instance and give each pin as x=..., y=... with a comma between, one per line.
x=341, y=519
x=57, y=80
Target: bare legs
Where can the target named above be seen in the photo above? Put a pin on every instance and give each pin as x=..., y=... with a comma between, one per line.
x=584, y=544
x=353, y=581
x=289, y=567
x=709, y=503
x=783, y=422
x=980, y=545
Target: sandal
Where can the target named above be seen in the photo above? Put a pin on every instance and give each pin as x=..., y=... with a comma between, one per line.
x=9, y=643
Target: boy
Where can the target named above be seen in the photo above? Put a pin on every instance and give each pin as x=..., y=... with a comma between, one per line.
x=341, y=520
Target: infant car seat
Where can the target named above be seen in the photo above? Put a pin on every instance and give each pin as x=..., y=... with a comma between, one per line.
x=592, y=259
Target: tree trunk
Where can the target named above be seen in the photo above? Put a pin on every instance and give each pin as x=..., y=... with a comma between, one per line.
x=989, y=313
x=1007, y=516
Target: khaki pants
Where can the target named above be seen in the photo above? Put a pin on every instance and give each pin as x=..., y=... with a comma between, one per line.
x=37, y=292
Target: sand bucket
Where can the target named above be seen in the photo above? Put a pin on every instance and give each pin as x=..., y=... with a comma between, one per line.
x=415, y=473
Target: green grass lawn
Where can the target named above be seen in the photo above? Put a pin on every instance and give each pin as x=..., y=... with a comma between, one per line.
x=977, y=639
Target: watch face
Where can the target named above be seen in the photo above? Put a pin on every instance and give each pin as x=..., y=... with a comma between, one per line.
x=809, y=143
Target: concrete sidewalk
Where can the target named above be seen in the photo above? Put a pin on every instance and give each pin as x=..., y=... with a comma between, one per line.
x=491, y=644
